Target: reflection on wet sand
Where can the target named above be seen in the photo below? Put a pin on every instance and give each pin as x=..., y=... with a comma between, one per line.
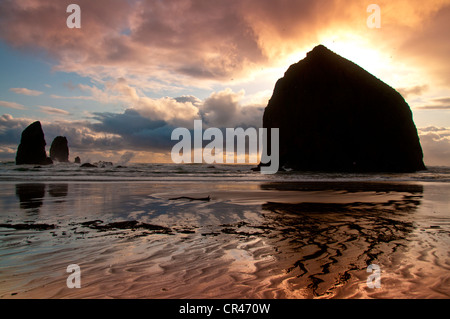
x=31, y=195
x=348, y=186
x=58, y=190
x=329, y=242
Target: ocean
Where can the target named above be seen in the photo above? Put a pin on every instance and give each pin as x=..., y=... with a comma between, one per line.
x=198, y=172
x=222, y=231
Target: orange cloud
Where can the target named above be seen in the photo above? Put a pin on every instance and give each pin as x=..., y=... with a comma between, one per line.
x=170, y=43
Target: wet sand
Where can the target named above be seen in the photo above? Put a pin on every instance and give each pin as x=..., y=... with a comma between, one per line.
x=250, y=240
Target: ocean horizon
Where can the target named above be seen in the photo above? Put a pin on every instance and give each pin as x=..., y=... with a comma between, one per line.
x=107, y=171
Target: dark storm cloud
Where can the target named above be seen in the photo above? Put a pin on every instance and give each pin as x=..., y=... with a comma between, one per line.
x=136, y=131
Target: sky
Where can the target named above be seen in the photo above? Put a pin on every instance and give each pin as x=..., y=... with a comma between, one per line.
x=137, y=69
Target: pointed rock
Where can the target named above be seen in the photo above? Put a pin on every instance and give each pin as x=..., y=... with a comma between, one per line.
x=31, y=149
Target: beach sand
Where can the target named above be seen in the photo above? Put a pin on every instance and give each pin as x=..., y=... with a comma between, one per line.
x=250, y=240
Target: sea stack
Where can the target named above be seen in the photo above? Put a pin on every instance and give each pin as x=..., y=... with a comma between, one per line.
x=335, y=116
x=31, y=149
x=59, y=150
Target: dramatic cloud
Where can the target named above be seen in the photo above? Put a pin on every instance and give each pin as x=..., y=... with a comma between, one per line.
x=168, y=110
x=162, y=43
x=149, y=123
x=199, y=39
x=222, y=109
x=135, y=131
x=25, y=91
x=145, y=126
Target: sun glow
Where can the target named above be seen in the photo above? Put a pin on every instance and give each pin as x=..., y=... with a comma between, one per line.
x=378, y=60
x=362, y=53
x=353, y=47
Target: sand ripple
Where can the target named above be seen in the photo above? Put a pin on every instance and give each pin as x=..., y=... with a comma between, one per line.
x=289, y=248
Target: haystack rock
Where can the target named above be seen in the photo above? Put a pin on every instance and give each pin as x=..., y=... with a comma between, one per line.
x=59, y=150
x=335, y=116
x=31, y=149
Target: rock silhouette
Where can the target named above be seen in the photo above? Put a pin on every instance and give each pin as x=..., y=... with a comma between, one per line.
x=31, y=149
x=77, y=160
x=335, y=116
x=59, y=150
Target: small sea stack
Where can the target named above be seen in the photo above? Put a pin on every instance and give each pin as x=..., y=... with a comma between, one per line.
x=59, y=150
